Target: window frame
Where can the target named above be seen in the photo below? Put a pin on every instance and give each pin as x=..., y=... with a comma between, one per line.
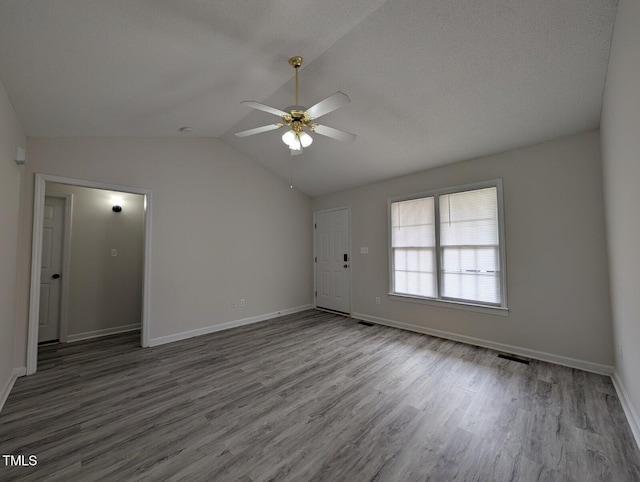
x=439, y=300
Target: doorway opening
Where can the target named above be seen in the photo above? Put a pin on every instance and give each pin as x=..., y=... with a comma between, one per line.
x=111, y=231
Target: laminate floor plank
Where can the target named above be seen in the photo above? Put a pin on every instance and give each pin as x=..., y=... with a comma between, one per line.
x=311, y=396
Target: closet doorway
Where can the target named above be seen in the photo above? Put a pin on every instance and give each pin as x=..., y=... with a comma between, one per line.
x=110, y=231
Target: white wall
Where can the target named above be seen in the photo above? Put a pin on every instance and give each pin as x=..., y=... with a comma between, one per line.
x=11, y=137
x=223, y=228
x=621, y=159
x=105, y=292
x=557, y=277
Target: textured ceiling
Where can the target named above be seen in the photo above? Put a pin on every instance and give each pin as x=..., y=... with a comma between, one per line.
x=431, y=81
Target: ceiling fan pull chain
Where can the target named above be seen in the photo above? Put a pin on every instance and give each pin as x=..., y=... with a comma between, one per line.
x=291, y=173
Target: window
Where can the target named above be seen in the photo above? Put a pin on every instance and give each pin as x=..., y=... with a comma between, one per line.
x=447, y=245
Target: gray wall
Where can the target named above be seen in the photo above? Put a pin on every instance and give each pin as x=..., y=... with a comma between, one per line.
x=557, y=278
x=11, y=136
x=223, y=228
x=621, y=159
x=105, y=292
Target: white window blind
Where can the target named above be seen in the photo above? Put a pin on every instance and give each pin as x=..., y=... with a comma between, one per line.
x=469, y=246
x=456, y=256
x=413, y=244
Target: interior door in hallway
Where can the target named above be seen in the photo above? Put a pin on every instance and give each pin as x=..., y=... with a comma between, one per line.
x=333, y=260
x=50, y=271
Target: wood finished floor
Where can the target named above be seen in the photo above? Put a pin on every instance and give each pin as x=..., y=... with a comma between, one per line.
x=311, y=396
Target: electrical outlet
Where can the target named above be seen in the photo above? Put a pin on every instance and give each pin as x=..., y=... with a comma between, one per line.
x=233, y=304
x=242, y=303
x=620, y=355
x=377, y=300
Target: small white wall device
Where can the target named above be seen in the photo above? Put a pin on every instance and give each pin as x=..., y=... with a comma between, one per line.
x=21, y=156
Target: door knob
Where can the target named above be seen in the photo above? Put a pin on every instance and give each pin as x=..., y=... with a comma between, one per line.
x=346, y=265
x=55, y=276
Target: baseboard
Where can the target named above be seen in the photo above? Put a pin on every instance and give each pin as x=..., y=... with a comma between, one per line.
x=516, y=350
x=629, y=411
x=98, y=333
x=6, y=389
x=225, y=326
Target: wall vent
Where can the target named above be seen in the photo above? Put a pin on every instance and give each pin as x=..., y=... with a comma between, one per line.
x=513, y=358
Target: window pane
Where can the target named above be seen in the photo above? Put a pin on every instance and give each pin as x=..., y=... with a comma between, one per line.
x=469, y=217
x=413, y=223
x=469, y=244
x=415, y=271
x=413, y=236
x=413, y=245
x=412, y=212
x=415, y=283
x=471, y=259
x=412, y=259
x=481, y=287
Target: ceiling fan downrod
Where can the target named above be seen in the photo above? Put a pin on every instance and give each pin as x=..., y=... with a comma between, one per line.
x=296, y=62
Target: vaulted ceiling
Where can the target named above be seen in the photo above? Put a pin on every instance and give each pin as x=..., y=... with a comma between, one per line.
x=431, y=81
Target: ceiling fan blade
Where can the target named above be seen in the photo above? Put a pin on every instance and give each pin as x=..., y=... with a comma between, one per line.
x=266, y=108
x=331, y=103
x=258, y=130
x=334, y=133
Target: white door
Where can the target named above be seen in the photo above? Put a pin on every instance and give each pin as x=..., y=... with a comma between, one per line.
x=50, y=273
x=333, y=260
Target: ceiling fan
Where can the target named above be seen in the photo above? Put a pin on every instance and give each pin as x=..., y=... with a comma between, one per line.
x=300, y=119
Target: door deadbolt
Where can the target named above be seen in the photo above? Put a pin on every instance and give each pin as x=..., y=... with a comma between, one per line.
x=55, y=276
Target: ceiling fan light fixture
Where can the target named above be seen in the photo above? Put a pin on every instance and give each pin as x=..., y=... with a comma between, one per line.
x=305, y=139
x=295, y=144
x=288, y=137
x=297, y=140
x=291, y=139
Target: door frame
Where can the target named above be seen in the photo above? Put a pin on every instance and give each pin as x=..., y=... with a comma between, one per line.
x=36, y=257
x=315, y=254
x=66, y=262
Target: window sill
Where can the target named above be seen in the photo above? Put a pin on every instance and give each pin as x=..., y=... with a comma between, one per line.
x=456, y=305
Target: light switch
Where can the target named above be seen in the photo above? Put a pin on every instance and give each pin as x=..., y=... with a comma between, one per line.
x=114, y=252
x=364, y=250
